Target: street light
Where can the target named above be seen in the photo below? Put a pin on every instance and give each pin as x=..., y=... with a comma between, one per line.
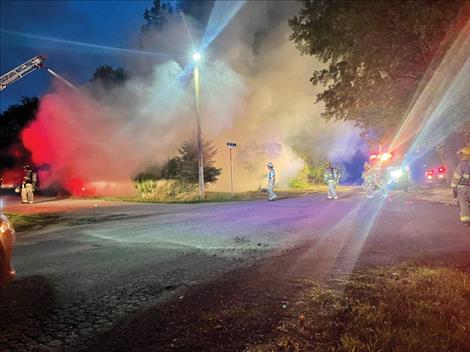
x=196, y=58
x=231, y=145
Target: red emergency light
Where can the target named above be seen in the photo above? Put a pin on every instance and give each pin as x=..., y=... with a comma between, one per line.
x=442, y=169
x=429, y=173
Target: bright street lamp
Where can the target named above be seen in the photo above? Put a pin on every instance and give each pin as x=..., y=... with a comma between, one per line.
x=196, y=56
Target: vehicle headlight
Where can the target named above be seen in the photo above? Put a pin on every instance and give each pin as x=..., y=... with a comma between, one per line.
x=396, y=173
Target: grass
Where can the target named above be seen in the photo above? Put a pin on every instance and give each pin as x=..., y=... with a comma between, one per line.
x=192, y=198
x=23, y=222
x=402, y=309
x=211, y=196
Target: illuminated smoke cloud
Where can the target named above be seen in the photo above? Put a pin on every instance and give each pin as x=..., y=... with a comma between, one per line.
x=255, y=91
x=279, y=109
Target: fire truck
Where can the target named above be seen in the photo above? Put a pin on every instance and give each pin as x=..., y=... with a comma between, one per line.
x=21, y=71
x=394, y=173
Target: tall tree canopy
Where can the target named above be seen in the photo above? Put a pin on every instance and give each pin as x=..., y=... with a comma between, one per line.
x=12, y=122
x=109, y=76
x=156, y=16
x=375, y=53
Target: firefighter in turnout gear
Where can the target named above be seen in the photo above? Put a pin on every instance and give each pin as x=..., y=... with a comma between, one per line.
x=271, y=181
x=331, y=176
x=368, y=180
x=28, y=185
x=461, y=185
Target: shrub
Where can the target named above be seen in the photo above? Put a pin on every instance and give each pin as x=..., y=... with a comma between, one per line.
x=310, y=174
x=165, y=190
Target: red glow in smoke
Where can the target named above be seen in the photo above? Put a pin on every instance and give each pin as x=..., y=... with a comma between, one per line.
x=77, y=187
x=12, y=177
x=76, y=137
x=44, y=140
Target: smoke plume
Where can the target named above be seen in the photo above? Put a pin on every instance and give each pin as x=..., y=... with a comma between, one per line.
x=255, y=91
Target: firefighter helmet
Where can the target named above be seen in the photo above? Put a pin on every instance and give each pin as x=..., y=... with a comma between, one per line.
x=465, y=151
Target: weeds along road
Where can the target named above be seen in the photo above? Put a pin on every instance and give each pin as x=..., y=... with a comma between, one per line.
x=101, y=263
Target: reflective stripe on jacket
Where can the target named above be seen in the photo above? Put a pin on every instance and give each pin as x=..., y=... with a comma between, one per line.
x=461, y=175
x=331, y=174
x=271, y=174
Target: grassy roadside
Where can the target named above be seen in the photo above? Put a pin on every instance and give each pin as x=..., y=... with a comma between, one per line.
x=406, y=309
x=29, y=222
x=212, y=197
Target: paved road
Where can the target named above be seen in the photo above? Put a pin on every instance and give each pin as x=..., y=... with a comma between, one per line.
x=104, y=261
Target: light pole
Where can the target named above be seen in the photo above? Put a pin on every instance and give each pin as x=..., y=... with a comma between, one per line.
x=200, y=153
x=230, y=146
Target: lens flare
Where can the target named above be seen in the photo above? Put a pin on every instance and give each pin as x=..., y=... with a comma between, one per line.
x=442, y=104
x=75, y=45
x=222, y=13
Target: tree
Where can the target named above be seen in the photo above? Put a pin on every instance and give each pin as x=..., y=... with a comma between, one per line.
x=12, y=122
x=375, y=53
x=109, y=77
x=185, y=166
x=157, y=15
x=188, y=164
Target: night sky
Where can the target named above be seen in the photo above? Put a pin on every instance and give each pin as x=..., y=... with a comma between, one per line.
x=109, y=23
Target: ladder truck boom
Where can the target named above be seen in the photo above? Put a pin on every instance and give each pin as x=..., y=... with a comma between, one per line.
x=21, y=71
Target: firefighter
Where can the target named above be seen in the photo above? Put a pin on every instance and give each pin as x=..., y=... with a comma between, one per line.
x=271, y=181
x=331, y=176
x=461, y=185
x=28, y=185
x=368, y=180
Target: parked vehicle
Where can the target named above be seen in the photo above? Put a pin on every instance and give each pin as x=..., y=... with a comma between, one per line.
x=7, y=242
x=436, y=175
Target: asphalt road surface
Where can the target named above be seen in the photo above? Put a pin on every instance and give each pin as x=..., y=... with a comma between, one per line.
x=103, y=263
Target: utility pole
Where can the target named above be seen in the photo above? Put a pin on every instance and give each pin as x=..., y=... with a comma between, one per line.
x=230, y=146
x=200, y=152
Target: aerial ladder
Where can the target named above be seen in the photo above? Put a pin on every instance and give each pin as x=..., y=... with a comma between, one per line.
x=21, y=71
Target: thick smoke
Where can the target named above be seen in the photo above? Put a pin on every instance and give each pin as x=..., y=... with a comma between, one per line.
x=280, y=118
x=255, y=91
